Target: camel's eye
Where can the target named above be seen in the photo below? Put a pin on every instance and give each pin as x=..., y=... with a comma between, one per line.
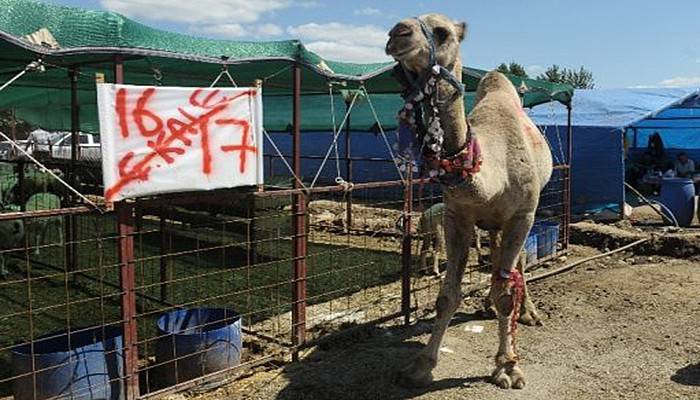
x=440, y=34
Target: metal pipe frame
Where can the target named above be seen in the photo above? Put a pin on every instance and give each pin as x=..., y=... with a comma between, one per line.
x=125, y=226
x=298, y=223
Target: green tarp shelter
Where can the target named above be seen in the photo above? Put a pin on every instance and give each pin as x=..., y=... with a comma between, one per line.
x=90, y=41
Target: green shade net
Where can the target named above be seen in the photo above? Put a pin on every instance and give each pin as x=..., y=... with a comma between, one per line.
x=90, y=40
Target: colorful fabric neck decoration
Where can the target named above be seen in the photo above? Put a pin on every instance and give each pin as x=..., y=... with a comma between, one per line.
x=419, y=118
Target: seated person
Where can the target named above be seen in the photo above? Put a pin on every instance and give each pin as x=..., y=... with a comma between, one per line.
x=646, y=167
x=684, y=167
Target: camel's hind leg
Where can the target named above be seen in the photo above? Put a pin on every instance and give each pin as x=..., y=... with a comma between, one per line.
x=495, y=254
x=458, y=238
x=507, y=293
x=528, y=312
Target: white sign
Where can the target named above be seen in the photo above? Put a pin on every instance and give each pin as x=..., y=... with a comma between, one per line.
x=171, y=139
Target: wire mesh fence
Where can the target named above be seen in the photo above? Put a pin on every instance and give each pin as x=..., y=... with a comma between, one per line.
x=165, y=292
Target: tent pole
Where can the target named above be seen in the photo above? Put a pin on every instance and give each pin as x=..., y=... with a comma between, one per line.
x=298, y=223
x=348, y=164
x=567, y=182
x=70, y=227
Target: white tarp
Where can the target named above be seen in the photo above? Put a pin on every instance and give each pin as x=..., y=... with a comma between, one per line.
x=171, y=139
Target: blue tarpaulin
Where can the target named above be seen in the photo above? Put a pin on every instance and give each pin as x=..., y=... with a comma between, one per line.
x=602, y=119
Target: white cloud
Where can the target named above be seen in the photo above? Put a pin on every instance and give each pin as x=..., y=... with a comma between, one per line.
x=367, y=11
x=234, y=31
x=535, y=70
x=347, y=52
x=223, y=30
x=307, y=4
x=338, y=41
x=681, y=81
x=202, y=11
x=268, y=30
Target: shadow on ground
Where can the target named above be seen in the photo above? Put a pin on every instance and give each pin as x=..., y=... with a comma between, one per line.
x=688, y=375
x=363, y=364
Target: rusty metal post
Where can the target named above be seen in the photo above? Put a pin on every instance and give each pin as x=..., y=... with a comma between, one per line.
x=127, y=267
x=348, y=165
x=406, y=253
x=567, y=181
x=298, y=223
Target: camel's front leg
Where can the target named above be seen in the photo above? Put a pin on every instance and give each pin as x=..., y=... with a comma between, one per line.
x=458, y=233
x=507, y=292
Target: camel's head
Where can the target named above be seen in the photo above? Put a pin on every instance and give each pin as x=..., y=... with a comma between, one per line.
x=409, y=45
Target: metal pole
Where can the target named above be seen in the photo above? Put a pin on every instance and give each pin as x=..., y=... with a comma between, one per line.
x=127, y=282
x=165, y=275
x=406, y=251
x=348, y=165
x=125, y=226
x=71, y=227
x=298, y=223
x=567, y=181
x=74, y=125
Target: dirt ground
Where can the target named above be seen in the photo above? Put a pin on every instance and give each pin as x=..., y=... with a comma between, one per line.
x=622, y=327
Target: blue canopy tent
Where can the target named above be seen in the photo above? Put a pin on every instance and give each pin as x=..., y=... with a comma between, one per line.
x=605, y=121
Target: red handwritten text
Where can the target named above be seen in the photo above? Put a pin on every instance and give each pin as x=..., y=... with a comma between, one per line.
x=173, y=137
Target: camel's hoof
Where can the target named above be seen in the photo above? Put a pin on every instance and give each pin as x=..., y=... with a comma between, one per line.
x=500, y=378
x=417, y=374
x=529, y=315
x=530, y=318
x=508, y=376
x=517, y=377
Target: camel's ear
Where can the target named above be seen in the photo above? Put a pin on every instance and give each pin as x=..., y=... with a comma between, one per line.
x=461, y=29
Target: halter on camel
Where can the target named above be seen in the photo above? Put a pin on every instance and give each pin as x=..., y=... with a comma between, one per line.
x=420, y=115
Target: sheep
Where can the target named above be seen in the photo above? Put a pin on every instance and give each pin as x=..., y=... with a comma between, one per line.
x=11, y=237
x=36, y=182
x=45, y=201
x=431, y=230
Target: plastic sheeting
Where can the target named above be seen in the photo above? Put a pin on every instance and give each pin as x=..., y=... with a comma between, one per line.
x=601, y=118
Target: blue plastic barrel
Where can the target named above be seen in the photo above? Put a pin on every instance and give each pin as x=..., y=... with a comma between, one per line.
x=678, y=194
x=547, y=238
x=531, y=247
x=196, y=342
x=87, y=364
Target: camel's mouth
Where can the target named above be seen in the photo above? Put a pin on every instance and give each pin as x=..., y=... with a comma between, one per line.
x=399, y=53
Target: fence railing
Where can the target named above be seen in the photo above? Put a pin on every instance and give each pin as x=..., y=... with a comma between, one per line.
x=163, y=293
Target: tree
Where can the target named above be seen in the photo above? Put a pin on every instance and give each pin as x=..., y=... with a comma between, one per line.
x=513, y=68
x=579, y=79
x=6, y=122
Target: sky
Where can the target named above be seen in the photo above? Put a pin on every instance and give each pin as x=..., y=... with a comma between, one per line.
x=624, y=43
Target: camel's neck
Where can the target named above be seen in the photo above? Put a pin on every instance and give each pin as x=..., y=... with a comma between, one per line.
x=452, y=116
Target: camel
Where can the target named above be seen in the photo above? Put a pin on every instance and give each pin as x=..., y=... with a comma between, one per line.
x=498, y=194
